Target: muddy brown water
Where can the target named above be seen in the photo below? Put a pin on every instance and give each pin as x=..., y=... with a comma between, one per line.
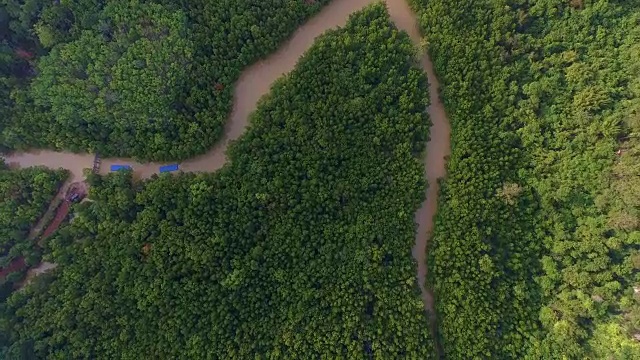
x=256, y=81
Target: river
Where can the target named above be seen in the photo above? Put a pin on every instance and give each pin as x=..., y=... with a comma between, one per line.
x=256, y=81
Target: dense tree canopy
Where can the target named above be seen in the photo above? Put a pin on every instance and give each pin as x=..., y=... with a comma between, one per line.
x=300, y=247
x=24, y=197
x=120, y=88
x=148, y=79
x=536, y=246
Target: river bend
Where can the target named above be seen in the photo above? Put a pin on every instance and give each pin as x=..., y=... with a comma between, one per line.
x=256, y=80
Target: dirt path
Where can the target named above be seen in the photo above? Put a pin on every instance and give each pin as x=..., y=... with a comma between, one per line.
x=256, y=81
x=37, y=229
x=42, y=268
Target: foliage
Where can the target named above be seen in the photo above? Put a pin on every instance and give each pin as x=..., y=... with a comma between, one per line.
x=543, y=99
x=13, y=68
x=24, y=196
x=298, y=248
x=117, y=88
x=152, y=80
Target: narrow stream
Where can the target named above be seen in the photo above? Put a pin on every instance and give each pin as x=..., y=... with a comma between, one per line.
x=256, y=81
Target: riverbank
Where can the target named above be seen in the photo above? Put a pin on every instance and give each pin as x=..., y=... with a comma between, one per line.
x=256, y=81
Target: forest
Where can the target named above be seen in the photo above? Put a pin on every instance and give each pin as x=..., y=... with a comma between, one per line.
x=536, y=247
x=25, y=195
x=299, y=247
x=145, y=79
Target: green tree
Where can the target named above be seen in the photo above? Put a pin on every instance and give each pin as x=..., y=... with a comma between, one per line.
x=299, y=247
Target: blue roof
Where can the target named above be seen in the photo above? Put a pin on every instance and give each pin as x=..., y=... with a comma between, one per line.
x=120, y=167
x=168, y=168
